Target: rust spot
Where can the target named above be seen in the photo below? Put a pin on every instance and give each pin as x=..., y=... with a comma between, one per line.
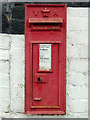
x=85, y=73
x=21, y=85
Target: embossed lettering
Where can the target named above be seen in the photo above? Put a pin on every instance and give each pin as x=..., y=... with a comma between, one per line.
x=36, y=13
x=55, y=12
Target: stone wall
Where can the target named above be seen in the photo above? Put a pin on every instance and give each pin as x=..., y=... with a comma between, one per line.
x=12, y=63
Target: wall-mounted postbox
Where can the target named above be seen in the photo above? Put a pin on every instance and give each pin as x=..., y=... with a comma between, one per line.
x=45, y=59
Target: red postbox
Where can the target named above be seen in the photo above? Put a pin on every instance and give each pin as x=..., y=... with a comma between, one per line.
x=45, y=59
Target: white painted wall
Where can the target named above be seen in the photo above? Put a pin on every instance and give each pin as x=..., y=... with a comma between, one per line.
x=12, y=69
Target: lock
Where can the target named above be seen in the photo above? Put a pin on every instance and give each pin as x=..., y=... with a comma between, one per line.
x=38, y=79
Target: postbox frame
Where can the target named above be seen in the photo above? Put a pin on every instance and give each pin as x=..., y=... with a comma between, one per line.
x=28, y=70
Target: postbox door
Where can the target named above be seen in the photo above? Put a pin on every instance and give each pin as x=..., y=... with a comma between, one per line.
x=45, y=75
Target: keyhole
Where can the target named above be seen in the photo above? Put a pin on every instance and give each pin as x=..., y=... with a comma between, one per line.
x=38, y=79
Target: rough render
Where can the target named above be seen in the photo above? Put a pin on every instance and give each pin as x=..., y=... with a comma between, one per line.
x=12, y=77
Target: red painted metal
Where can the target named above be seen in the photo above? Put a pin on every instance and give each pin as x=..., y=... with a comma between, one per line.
x=45, y=90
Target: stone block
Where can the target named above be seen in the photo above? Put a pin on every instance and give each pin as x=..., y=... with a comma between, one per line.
x=4, y=54
x=78, y=65
x=20, y=43
x=77, y=24
x=77, y=38
x=4, y=67
x=4, y=41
